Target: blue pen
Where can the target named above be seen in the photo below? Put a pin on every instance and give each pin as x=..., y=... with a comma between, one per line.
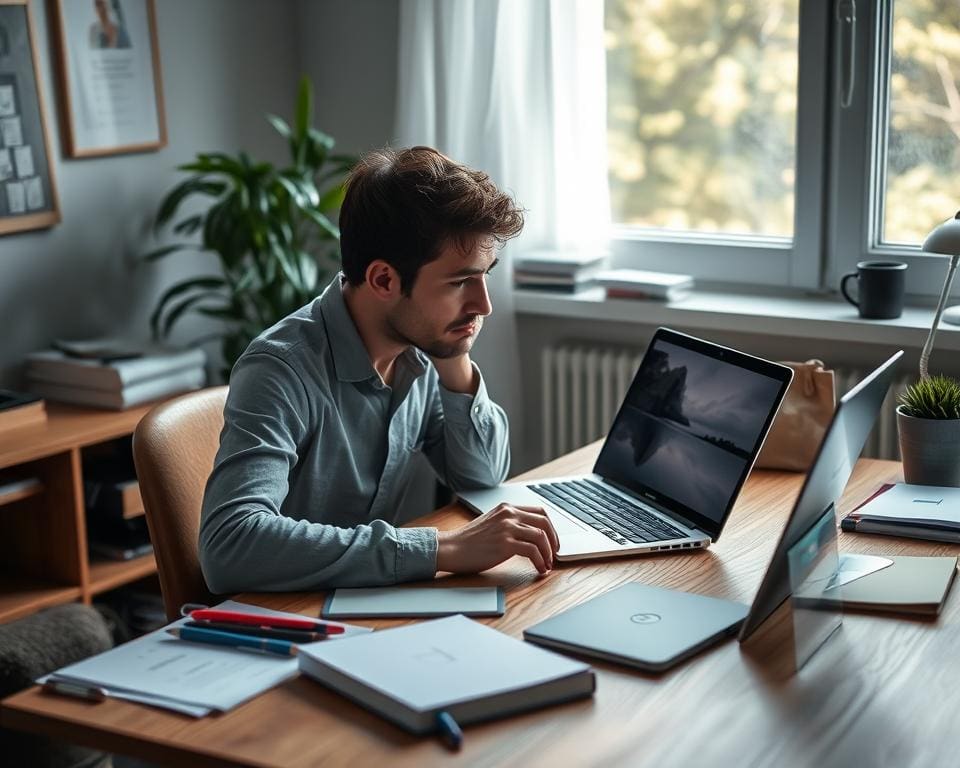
x=449, y=730
x=216, y=637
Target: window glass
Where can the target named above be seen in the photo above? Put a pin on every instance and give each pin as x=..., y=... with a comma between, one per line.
x=923, y=125
x=702, y=109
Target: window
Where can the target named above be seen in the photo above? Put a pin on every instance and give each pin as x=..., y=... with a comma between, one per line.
x=702, y=109
x=782, y=141
x=891, y=190
x=706, y=100
x=922, y=163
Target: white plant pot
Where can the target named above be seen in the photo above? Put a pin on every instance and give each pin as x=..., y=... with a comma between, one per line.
x=930, y=450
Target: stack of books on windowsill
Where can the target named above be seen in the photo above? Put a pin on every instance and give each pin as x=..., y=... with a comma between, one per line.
x=98, y=377
x=641, y=284
x=557, y=271
x=20, y=410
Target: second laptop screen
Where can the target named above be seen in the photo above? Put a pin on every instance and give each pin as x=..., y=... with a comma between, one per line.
x=688, y=429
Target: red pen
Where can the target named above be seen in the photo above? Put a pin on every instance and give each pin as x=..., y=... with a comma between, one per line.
x=262, y=620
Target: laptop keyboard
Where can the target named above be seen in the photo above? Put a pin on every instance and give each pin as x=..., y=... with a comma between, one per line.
x=614, y=516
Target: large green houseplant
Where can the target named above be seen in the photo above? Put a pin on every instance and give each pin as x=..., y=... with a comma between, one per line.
x=270, y=227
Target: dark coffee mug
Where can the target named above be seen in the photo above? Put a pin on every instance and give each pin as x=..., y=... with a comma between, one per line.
x=879, y=289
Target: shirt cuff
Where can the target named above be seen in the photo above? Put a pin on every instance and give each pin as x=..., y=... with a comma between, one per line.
x=463, y=409
x=416, y=554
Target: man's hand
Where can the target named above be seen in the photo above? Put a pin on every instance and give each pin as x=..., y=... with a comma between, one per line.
x=498, y=536
x=457, y=374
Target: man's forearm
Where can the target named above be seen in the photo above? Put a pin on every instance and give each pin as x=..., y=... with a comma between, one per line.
x=250, y=551
x=457, y=374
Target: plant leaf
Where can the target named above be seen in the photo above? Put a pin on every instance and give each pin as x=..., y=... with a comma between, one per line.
x=304, y=110
x=280, y=125
x=323, y=222
x=174, y=314
x=222, y=313
x=194, y=185
x=166, y=250
x=206, y=284
x=332, y=198
x=189, y=225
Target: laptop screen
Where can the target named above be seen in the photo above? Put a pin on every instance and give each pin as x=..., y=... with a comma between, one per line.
x=691, y=426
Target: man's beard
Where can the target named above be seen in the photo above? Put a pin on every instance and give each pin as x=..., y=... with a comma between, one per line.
x=436, y=347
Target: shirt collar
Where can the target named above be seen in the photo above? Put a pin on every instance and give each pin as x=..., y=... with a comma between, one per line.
x=350, y=357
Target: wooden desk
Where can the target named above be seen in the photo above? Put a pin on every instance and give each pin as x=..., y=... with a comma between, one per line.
x=884, y=690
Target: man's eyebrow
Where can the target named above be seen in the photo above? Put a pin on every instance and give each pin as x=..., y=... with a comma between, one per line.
x=469, y=271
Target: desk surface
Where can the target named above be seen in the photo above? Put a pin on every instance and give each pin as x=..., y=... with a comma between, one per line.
x=884, y=690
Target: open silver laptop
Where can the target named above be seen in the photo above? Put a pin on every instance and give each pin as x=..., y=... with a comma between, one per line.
x=680, y=448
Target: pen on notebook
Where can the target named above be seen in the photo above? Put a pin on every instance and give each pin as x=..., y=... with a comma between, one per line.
x=233, y=640
x=450, y=732
x=293, y=635
x=265, y=620
x=78, y=690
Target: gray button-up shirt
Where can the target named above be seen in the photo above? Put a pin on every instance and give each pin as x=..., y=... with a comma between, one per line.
x=315, y=458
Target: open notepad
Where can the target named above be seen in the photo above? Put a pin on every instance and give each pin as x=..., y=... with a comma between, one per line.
x=190, y=678
x=455, y=665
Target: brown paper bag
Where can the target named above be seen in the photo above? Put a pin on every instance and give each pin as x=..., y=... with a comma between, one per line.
x=803, y=418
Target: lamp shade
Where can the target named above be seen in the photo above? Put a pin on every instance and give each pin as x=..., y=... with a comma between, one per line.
x=945, y=239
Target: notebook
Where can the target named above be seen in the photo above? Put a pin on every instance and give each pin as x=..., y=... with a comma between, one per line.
x=413, y=602
x=455, y=665
x=915, y=511
x=910, y=585
x=642, y=626
x=680, y=448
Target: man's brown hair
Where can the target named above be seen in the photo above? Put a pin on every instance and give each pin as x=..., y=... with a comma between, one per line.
x=403, y=206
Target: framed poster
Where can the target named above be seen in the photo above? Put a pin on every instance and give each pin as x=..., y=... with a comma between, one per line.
x=28, y=192
x=109, y=71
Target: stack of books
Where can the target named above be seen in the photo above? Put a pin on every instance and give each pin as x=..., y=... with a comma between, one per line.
x=916, y=511
x=113, y=381
x=640, y=284
x=116, y=526
x=561, y=271
x=19, y=410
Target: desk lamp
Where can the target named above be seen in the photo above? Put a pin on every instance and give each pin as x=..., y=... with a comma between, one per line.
x=945, y=239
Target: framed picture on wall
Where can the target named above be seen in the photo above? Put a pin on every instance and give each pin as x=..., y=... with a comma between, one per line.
x=28, y=192
x=109, y=72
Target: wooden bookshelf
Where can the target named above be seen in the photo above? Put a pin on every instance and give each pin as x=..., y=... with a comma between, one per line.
x=43, y=538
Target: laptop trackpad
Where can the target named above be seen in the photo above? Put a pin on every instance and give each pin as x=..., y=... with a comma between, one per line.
x=564, y=526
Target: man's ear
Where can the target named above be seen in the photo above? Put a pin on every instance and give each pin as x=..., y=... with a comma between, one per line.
x=383, y=280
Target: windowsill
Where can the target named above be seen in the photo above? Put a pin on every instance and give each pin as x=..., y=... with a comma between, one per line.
x=812, y=317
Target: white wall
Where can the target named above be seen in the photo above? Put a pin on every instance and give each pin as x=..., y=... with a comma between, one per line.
x=224, y=63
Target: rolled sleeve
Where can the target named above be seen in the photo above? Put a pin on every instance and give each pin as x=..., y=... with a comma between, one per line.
x=416, y=554
x=471, y=443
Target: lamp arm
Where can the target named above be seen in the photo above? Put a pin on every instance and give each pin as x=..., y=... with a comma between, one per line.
x=928, y=346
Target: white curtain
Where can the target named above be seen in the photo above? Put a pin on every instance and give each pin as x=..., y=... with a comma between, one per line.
x=516, y=88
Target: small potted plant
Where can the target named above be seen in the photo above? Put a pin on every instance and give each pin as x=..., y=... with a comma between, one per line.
x=928, y=417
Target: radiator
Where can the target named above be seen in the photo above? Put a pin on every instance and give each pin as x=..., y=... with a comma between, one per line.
x=583, y=386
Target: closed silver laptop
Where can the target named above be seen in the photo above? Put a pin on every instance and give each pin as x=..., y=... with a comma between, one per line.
x=642, y=626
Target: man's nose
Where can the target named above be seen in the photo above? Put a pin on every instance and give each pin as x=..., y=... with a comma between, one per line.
x=480, y=301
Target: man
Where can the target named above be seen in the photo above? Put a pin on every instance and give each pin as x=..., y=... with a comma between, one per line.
x=327, y=407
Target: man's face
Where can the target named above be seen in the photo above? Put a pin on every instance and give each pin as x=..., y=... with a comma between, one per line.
x=444, y=312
